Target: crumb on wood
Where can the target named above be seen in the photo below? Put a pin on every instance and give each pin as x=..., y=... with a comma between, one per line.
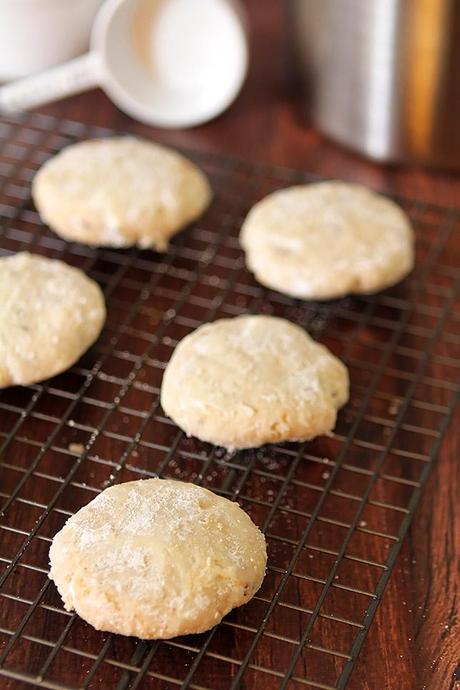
x=394, y=407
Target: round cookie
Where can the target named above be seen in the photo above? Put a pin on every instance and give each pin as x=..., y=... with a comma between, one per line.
x=157, y=558
x=327, y=240
x=119, y=192
x=51, y=313
x=251, y=380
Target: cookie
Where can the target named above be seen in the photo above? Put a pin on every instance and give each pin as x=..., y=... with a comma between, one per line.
x=157, y=558
x=119, y=192
x=251, y=380
x=51, y=313
x=327, y=240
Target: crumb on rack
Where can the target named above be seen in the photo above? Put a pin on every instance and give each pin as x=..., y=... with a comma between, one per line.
x=76, y=448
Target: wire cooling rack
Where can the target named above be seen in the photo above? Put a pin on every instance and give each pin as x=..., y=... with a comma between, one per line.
x=334, y=511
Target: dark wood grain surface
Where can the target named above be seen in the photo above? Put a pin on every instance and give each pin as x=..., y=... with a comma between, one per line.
x=414, y=643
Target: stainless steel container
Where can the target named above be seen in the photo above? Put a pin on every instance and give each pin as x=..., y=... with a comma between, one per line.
x=383, y=76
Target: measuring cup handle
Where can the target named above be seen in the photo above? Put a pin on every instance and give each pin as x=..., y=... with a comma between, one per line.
x=65, y=80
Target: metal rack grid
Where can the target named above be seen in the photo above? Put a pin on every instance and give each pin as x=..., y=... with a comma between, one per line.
x=334, y=511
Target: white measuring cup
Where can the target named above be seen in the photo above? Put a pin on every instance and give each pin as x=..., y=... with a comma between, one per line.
x=170, y=63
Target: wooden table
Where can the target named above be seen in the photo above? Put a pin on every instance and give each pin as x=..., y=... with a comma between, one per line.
x=414, y=643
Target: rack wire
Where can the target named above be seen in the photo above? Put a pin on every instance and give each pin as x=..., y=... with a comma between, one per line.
x=334, y=511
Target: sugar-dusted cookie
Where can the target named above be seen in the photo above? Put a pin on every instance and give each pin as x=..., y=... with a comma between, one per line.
x=119, y=192
x=157, y=558
x=251, y=380
x=327, y=240
x=50, y=314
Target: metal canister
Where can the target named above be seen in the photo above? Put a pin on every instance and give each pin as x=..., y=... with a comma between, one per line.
x=383, y=76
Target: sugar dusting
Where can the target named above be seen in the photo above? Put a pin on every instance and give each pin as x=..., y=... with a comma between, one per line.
x=277, y=359
x=175, y=507
x=131, y=515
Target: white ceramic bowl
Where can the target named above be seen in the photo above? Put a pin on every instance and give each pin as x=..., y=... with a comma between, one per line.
x=37, y=34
